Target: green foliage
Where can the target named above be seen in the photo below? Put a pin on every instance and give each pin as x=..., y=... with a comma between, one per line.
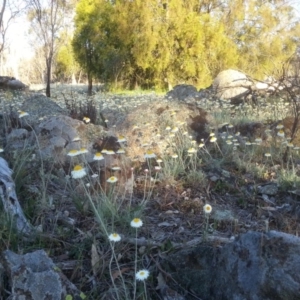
x=66, y=65
x=151, y=44
x=265, y=33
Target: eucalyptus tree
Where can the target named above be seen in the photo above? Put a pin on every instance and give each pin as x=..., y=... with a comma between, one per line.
x=48, y=18
x=266, y=33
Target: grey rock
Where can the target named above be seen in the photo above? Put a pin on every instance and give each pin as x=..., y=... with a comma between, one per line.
x=223, y=215
x=16, y=84
x=39, y=107
x=269, y=189
x=17, y=139
x=230, y=84
x=12, y=83
x=10, y=201
x=182, y=91
x=34, y=276
x=255, y=266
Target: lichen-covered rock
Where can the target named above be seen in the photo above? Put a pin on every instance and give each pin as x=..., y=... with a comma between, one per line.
x=34, y=276
x=255, y=266
x=39, y=107
x=230, y=84
x=58, y=135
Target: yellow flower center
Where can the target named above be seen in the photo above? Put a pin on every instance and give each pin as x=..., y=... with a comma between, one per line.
x=136, y=220
x=77, y=168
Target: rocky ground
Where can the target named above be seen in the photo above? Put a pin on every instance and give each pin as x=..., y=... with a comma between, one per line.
x=247, y=191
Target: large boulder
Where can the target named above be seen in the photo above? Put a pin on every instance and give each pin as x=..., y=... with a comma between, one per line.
x=230, y=84
x=255, y=266
x=12, y=83
x=35, y=276
x=39, y=107
x=57, y=135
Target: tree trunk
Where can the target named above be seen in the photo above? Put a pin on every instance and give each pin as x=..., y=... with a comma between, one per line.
x=74, y=82
x=48, y=64
x=79, y=77
x=90, y=84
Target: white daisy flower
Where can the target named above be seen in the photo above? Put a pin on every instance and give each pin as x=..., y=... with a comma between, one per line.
x=136, y=223
x=78, y=172
x=142, y=275
x=114, y=237
x=207, y=209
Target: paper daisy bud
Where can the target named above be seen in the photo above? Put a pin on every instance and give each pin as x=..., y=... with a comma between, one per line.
x=207, y=208
x=280, y=133
x=73, y=152
x=121, y=139
x=213, y=139
x=86, y=120
x=98, y=156
x=112, y=179
x=114, y=237
x=83, y=150
x=149, y=154
x=142, y=275
x=121, y=151
x=159, y=160
x=115, y=168
x=78, y=172
x=192, y=150
x=110, y=152
x=23, y=114
x=258, y=140
x=136, y=223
